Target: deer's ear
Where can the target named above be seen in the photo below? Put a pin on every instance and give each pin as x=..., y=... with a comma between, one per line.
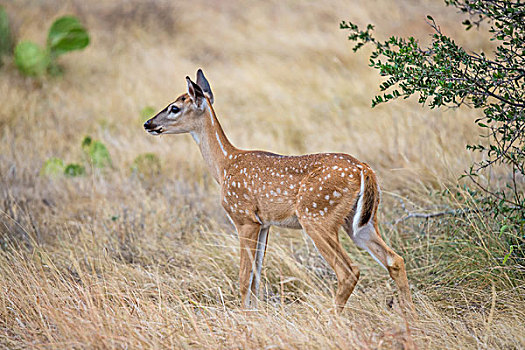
x=196, y=93
x=204, y=85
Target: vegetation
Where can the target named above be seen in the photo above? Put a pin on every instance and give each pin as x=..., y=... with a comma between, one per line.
x=53, y=167
x=65, y=35
x=446, y=75
x=73, y=170
x=122, y=258
x=96, y=152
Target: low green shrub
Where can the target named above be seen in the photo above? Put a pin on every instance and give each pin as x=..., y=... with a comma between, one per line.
x=53, y=167
x=73, y=170
x=31, y=59
x=97, y=155
x=96, y=152
x=65, y=35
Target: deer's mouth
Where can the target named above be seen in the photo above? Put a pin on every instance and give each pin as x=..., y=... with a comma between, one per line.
x=156, y=131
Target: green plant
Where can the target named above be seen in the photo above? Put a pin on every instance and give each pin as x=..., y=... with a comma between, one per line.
x=31, y=59
x=446, y=75
x=97, y=152
x=6, y=43
x=53, y=167
x=65, y=35
x=74, y=169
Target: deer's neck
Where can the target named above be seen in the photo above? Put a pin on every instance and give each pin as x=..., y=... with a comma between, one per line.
x=215, y=147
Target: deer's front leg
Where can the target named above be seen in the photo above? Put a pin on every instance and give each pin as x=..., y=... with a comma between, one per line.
x=248, y=237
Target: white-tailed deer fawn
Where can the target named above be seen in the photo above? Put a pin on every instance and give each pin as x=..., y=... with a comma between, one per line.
x=317, y=192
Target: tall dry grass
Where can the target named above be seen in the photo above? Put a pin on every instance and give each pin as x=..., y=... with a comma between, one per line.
x=113, y=260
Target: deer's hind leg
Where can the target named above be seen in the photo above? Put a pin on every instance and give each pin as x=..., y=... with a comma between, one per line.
x=262, y=243
x=326, y=239
x=367, y=237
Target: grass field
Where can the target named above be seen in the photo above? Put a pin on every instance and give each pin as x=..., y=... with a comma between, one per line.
x=120, y=259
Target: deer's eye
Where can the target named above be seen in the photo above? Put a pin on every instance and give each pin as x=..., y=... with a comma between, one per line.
x=174, y=109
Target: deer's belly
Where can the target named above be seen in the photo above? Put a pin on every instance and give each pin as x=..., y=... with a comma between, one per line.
x=289, y=222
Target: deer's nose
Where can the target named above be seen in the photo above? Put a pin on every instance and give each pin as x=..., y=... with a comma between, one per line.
x=148, y=125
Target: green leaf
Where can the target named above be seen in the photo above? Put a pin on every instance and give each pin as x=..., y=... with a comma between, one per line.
x=52, y=167
x=66, y=34
x=507, y=256
x=73, y=170
x=502, y=229
x=31, y=59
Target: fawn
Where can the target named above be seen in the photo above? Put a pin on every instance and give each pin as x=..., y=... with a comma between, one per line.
x=317, y=192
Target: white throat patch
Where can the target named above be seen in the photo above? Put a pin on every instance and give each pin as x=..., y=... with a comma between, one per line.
x=195, y=137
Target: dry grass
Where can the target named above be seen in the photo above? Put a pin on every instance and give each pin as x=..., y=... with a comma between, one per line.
x=111, y=260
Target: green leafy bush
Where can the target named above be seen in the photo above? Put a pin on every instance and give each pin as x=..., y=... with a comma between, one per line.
x=6, y=43
x=31, y=59
x=53, y=167
x=446, y=75
x=65, y=35
x=74, y=169
x=97, y=152
x=146, y=165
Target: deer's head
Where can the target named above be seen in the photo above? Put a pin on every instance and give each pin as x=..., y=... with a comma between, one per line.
x=186, y=112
